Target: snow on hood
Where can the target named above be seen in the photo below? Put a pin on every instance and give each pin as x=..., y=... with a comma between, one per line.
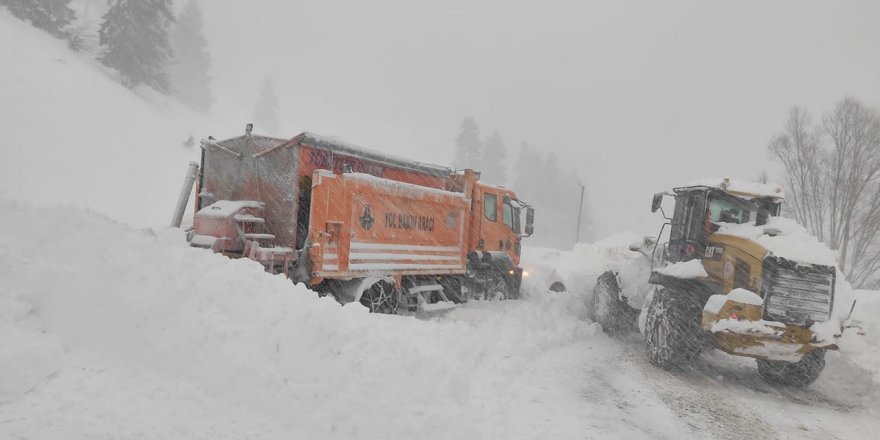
x=716, y=302
x=785, y=238
x=685, y=270
x=743, y=186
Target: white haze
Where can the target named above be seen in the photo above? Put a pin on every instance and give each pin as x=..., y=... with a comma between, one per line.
x=638, y=96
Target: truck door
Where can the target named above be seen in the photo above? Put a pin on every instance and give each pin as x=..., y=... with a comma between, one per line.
x=510, y=218
x=497, y=223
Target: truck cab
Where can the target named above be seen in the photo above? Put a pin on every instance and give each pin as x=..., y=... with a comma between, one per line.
x=496, y=221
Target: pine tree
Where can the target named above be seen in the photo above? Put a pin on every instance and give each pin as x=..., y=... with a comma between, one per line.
x=190, y=73
x=266, y=112
x=468, y=146
x=527, y=175
x=540, y=181
x=492, y=163
x=135, y=34
x=52, y=16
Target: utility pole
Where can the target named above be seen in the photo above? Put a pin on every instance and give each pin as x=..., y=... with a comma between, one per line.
x=580, y=212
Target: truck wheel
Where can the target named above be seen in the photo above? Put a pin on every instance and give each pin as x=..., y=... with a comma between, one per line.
x=608, y=310
x=673, y=336
x=380, y=298
x=497, y=288
x=795, y=374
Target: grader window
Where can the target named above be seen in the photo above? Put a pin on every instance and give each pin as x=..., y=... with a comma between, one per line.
x=687, y=239
x=732, y=210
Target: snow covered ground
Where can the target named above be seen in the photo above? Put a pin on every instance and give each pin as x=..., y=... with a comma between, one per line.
x=110, y=329
x=112, y=332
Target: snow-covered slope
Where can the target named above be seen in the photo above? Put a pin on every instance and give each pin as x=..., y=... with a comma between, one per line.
x=112, y=332
x=72, y=134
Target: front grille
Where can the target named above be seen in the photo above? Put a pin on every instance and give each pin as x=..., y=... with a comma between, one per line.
x=797, y=293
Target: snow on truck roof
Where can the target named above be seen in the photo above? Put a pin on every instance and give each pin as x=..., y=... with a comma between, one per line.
x=332, y=143
x=258, y=146
x=394, y=184
x=744, y=188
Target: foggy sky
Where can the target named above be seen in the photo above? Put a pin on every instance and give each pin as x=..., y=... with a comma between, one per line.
x=637, y=96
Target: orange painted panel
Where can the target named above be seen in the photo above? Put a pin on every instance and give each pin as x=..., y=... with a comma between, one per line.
x=362, y=225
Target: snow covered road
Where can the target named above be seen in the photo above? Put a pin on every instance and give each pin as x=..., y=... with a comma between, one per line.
x=112, y=332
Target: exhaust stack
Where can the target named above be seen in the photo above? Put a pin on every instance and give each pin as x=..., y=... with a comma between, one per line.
x=182, y=201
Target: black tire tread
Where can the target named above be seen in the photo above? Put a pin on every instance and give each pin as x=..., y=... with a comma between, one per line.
x=795, y=374
x=680, y=313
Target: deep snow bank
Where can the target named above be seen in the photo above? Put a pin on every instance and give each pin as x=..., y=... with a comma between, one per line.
x=579, y=268
x=113, y=331
x=865, y=348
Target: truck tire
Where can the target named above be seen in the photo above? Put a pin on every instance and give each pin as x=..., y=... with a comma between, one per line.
x=608, y=310
x=794, y=374
x=497, y=287
x=381, y=297
x=673, y=336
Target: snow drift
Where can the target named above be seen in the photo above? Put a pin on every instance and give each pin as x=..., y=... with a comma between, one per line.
x=109, y=331
x=88, y=302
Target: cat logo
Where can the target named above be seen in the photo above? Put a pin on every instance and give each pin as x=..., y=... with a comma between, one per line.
x=367, y=218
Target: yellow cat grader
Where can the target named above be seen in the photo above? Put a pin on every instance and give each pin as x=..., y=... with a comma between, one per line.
x=732, y=275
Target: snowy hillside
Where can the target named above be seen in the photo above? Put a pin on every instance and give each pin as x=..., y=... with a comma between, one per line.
x=73, y=134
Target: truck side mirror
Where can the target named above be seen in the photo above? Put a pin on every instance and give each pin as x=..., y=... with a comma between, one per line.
x=530, y=221
x=658, y=200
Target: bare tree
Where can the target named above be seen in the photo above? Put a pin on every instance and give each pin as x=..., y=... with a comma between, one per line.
x=865, y=243
x=853, y=166
x=833, y=176
x=798, y=148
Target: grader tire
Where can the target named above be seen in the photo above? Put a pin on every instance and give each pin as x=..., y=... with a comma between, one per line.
x=608, y=310
x=794, y=374
x=673, y=337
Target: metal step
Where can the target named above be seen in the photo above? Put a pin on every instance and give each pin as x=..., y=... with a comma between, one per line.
x=257, y=236
x=248, y=218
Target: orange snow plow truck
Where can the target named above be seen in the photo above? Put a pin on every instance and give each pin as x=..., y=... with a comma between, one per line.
x=394, y=234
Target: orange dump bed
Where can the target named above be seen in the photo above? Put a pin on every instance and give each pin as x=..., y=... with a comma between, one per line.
x=361, y=224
